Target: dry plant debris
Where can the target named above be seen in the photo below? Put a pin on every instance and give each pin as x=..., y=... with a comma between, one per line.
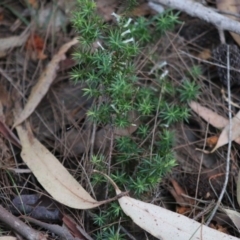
x=208, y=115
x=54, y=147
x=52, y=175
x=44, y=82
x=12, y=42
x=230, y=6
x=234, y=215
x=154, y=219
x=219, y=122
x=8, y=238
x=35, y=45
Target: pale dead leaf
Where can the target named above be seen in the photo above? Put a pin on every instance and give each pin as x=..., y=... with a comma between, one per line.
x=52, y=175
x=230, y=6
x=234, y=215
x=8, y=238
x=208, y=115
x=164, y=224
x=237, y=140
x=44, y=82
x=75, y=229
x=211, y=117
x=224, y=137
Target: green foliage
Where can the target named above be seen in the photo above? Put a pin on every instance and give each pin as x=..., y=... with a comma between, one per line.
x=195, y=72
x=167, y=140
x=100, y=219
x=110, y=233
x=188, y=91
x=166, y=21
x=143, y=131
x=109, y=73
x=115, y=211
x=126, y=145
x=141, y=30
x=173, y=113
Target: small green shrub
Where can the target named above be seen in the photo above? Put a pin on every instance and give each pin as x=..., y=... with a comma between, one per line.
x=110, y=76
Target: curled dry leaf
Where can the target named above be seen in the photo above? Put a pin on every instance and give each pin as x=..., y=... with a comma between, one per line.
x=208, y=115
x=224, y=137
x=218, y=122
x=178, y=193
x=52, y=175
x=44, y=82
x=234, y=215
x=75, y=229
x=164, y=224
x=35, y=46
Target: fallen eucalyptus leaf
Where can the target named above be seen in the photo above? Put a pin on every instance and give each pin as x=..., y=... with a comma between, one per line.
x=164, y=224
x=215, y=120
x=52, y=175
x=208, y=115
x=224, y=137
x=44, y=83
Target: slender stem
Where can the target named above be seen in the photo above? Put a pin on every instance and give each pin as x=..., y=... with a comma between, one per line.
x=229, y=143
x=19, y=226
